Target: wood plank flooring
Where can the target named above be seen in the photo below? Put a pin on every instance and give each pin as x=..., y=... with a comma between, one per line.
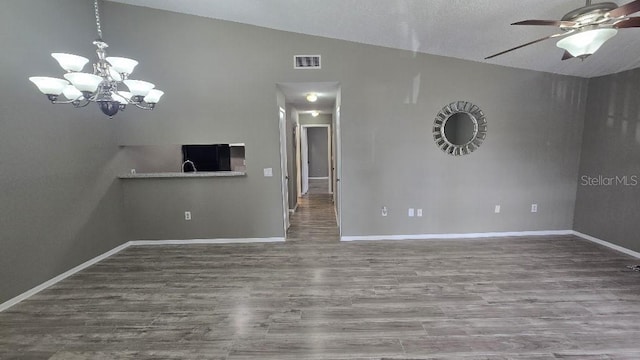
x=318, y=186
x=316, y=298
x=314, y=221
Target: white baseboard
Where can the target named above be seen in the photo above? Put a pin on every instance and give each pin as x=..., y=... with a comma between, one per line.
x=205, y=241
x=13, y=301
x=9, y=303
x=608, y=244
x=456, y=236
x=293, y=211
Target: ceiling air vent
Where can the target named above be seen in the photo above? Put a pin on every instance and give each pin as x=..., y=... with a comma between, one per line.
x=306, y=62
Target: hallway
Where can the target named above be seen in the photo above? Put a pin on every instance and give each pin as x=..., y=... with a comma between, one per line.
x=314, y=221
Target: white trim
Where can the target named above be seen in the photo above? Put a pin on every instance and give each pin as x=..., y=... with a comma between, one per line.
x=27, y=294
x=456, y=236
x=205, y=241
x=9, y=303
x=295, y=208
x=329, y=165
x=284, y=169
x=608, y=244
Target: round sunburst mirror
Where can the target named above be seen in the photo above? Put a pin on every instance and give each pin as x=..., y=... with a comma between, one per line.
x=460, y=128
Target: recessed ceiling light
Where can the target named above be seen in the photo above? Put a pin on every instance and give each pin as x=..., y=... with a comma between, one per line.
x=315, y=113
x=312, y=97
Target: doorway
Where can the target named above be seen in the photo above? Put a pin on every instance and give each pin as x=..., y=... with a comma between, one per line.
x=315, y=161
x=316, y=167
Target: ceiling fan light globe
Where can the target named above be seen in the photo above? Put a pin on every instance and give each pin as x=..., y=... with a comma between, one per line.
x=586, y=42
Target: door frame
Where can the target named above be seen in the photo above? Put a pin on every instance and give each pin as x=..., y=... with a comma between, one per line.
x=337, y=176
x=304, y=144
x=282, y=123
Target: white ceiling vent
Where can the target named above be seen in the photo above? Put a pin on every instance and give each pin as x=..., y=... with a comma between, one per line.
x=306, y=62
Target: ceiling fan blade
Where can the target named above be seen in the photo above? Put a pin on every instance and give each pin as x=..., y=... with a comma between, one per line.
x=527, y=44
x=628, y=23
x=567, y=55
x=626, y=9
x=546, y=22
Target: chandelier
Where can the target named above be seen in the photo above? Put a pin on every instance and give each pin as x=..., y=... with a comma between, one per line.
x=104, y=86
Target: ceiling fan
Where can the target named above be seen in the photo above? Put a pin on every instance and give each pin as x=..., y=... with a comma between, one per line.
x=585, y=29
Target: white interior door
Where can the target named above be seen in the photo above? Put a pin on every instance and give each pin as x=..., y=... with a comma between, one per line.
x=284, y=170
x=338, y=190
x=329, y=160
x=304, y=160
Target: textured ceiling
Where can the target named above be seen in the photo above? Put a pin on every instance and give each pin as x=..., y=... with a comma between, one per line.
x=466, y=29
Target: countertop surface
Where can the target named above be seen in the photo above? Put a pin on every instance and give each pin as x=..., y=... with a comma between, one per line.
x=200, y=174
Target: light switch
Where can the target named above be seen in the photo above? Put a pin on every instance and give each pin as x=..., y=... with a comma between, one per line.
x=268, y=172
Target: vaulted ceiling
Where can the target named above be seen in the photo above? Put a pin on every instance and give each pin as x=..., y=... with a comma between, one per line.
x=465, y=29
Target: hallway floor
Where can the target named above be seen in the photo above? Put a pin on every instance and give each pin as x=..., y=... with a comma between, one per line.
x=314, y=220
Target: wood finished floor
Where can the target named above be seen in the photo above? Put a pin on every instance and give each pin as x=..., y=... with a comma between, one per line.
x=316, y=298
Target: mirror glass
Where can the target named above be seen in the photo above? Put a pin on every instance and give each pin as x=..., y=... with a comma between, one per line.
x=459, y=128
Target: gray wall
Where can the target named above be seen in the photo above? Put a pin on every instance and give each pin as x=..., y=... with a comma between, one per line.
x=154, y=158
x=60, y=203
x=225, y=93
x=321, y=119
x=318, y=138
x=611, y=148
x=237, y=154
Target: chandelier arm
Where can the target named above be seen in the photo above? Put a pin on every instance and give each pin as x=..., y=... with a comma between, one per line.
x=143, y=106
x=78, y=104
x=56, y=101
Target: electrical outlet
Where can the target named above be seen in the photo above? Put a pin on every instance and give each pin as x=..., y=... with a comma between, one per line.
x=497, y=209
x=187, y=215
x=411, y=212
x=268, y=172
x=534, y=208
x=384, y=211
x=419, y=213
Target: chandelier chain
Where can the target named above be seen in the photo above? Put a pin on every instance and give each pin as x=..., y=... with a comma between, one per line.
x=98, y=24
